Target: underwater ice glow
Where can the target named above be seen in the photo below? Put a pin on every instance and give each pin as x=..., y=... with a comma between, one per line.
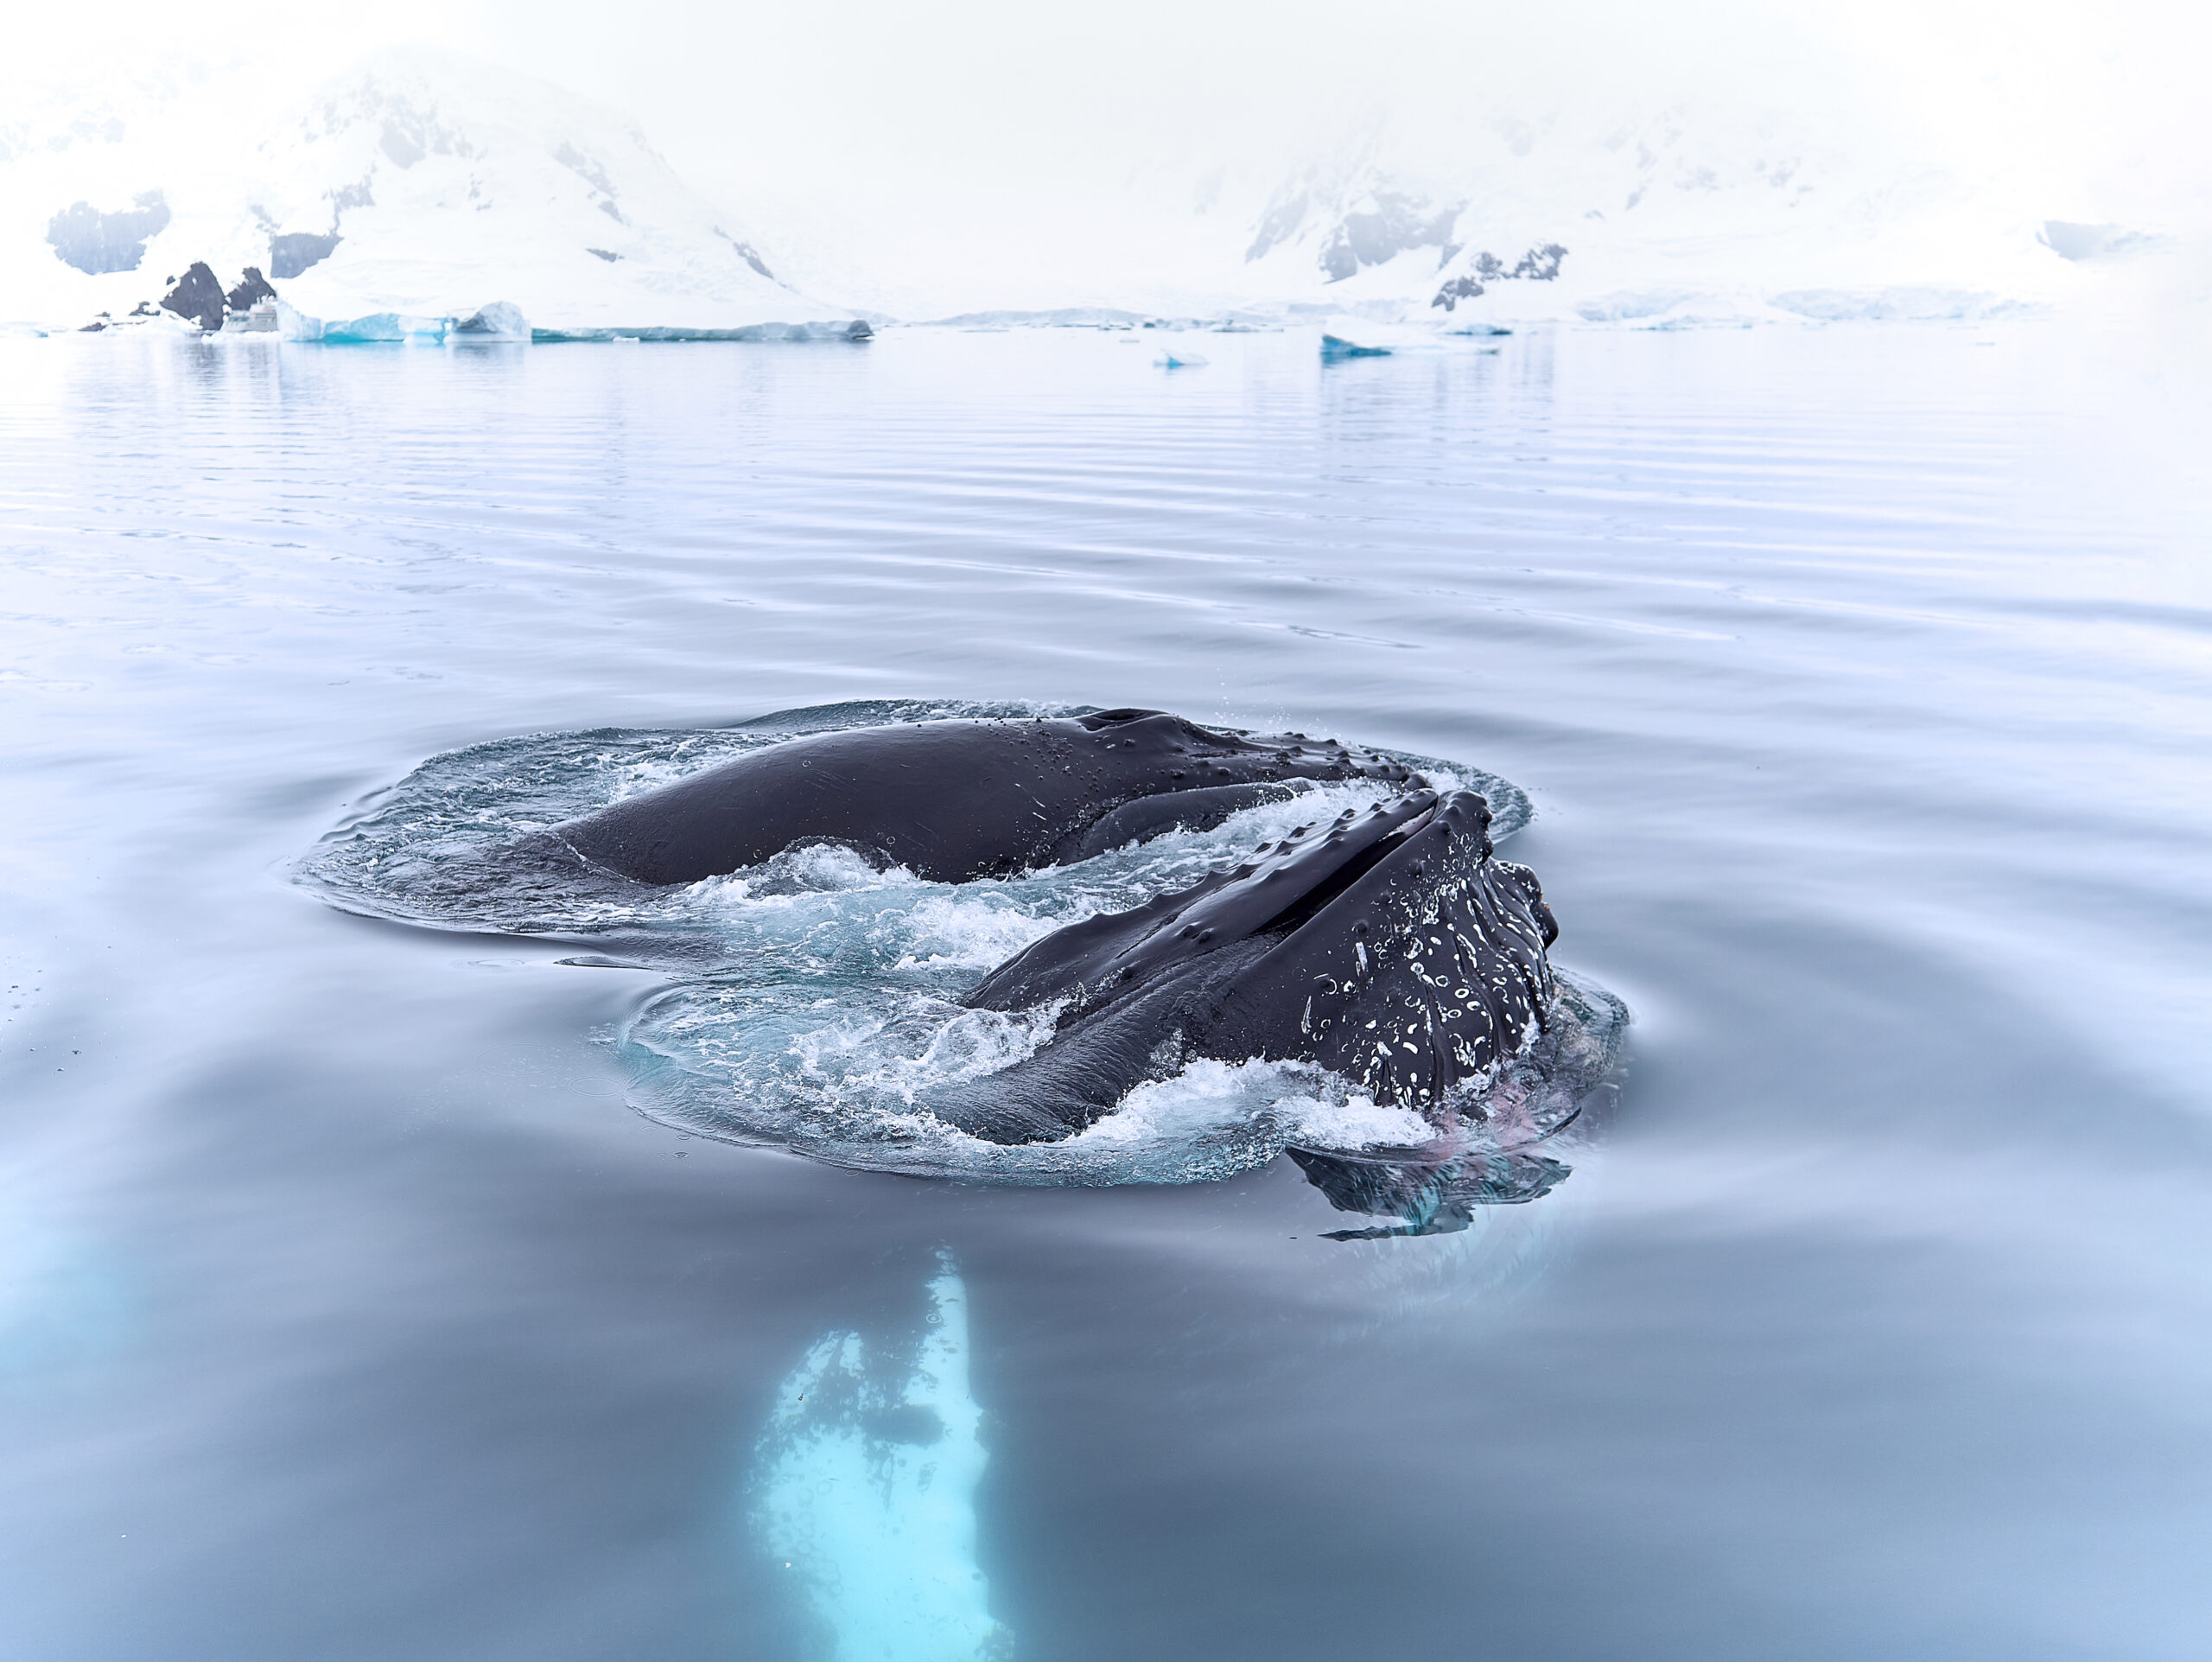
x=864, y=1486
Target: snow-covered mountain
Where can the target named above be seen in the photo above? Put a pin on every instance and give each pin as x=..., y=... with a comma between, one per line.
x=1593, y=206
x=424, y=183
x=418, y=182
x=1679, y=216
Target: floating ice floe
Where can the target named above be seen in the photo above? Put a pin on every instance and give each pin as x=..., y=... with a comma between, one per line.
x=1335, y=347
x=500, y=321
x=848, y=329
x=1179, y=359
x=385, y=328
x=1910, y=304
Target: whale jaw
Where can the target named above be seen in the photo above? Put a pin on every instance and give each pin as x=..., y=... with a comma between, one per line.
x=1393, y=948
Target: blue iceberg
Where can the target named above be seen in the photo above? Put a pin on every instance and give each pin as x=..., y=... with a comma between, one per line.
x=1334, y=348
x=386, y=329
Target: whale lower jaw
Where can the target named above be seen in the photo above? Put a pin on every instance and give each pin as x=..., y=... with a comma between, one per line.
x=1397, y=952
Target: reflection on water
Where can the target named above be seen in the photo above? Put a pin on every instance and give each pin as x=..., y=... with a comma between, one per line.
x=61, y=1304
x=865, y=1490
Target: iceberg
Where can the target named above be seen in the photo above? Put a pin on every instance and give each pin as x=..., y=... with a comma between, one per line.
x=864, y=1486
x=2070, y=241
x=386, y=329
x=1058, y=317
x=293, y=324
x=500, y=320
x=1180, y=361
x=854, y=329
x=1334, y=348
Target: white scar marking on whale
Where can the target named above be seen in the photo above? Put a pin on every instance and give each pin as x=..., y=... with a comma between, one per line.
x=865, y=1490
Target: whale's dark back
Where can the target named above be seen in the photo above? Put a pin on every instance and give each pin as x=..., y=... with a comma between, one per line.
x=954, y=800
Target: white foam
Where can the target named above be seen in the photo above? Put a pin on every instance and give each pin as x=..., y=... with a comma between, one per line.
x=954, y=930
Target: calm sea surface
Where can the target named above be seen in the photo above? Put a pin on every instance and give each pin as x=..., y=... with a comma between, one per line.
x=1861, y=682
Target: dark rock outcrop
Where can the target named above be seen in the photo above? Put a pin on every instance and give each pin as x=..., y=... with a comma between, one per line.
x=1459, y=289
x=1540, y=264
x=295, y=251
x=252, y=287
x=97, y=243
x=747, y=252
x=1386, y=226
x=197, y=296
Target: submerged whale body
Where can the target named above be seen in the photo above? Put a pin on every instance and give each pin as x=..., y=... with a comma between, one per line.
x=955, y=800
x=1393, y=949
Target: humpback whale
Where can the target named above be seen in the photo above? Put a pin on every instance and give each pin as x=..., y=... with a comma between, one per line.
x=1393, y=948
x=955, y=800
x=1387, y=954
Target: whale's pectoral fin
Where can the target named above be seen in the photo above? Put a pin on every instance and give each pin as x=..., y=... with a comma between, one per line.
x=1434, y=1189
x=1153, y=816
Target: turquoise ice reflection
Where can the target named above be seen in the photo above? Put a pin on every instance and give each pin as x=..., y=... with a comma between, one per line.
x=864, y=1489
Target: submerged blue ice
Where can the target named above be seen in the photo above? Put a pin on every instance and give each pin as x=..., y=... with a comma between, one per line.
x=864, y=1490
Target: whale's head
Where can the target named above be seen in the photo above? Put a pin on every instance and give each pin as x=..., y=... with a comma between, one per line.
x=1392, y=948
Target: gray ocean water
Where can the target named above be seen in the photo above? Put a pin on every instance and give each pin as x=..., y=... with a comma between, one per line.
x=360, y=1296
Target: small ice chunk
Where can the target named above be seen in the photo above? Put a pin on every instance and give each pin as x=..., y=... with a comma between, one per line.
x=2076, y=242
x=500, y=320
x=1178, y=359
x=1334, y=347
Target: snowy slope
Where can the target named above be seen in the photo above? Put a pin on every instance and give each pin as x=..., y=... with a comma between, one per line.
x=424, y=182
x=418, y=182
x=1683, y=216
x=1734, y=207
